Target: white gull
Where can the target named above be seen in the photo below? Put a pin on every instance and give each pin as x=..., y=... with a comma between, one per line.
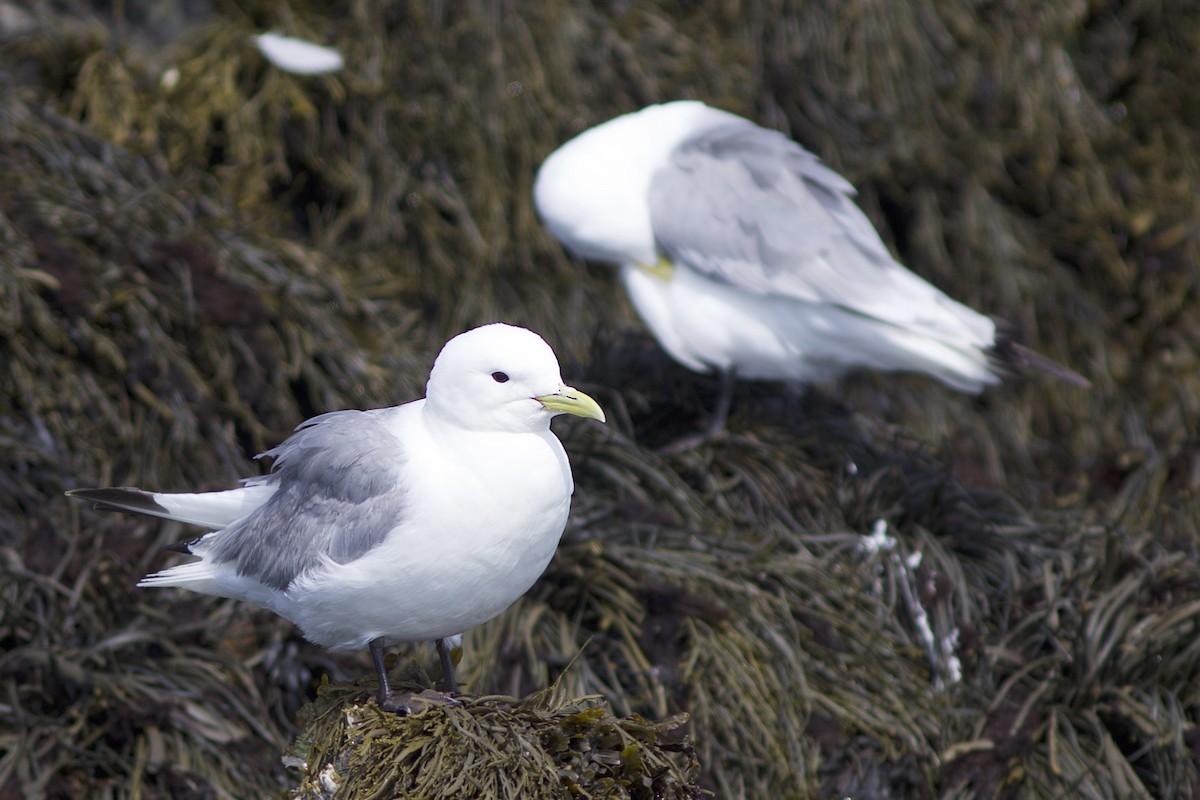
x=747, y=256
x=411, y=523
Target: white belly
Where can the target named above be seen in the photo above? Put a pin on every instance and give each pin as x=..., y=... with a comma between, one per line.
x=707, y=325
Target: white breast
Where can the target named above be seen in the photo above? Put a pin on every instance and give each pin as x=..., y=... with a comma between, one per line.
x=463, y=553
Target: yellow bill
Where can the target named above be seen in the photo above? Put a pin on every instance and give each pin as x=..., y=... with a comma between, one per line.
x=569, y=400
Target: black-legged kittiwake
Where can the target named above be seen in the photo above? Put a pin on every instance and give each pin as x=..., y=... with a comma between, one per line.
x=410, y=523
x=744, y=254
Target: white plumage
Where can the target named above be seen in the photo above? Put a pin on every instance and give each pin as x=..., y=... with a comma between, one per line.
x=411, y=523
x=744, y=254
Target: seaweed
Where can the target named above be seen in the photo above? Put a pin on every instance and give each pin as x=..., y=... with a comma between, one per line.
x=543, y=745
x=872, y=588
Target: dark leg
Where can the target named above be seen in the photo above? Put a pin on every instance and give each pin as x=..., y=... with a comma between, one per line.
x=408, y=702
x=447, y=667
x=716, y=423
x=385, y=690
x=720, y=416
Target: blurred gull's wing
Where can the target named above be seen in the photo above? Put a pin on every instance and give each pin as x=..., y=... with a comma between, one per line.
x=747, y=206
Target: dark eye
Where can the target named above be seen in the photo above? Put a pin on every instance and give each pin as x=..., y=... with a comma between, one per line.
x=500, y=377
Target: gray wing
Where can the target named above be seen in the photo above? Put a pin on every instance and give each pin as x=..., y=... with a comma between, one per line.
x=339, y=492
x=749, y=207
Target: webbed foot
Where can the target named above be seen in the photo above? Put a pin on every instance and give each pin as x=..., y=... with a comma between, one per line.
x=405, y=703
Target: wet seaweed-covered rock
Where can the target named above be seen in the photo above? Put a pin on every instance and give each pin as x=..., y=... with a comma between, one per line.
x=145, y=336
x=542, y=746
x=197, y=251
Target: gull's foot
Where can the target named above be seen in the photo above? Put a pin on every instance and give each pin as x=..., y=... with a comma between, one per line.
x=405, y=703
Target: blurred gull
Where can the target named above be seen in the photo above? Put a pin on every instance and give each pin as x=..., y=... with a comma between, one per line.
x=411, y=523
x=746, y=256
x=298, y=56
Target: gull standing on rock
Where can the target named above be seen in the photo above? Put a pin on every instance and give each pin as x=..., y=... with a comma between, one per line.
x=747, y=256
x=411, y=523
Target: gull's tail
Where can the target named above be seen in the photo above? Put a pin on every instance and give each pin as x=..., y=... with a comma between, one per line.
x=195, y=575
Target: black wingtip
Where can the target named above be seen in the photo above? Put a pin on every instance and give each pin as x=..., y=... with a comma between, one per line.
x=125, y=498
x=1013, y=357
x=182, y=547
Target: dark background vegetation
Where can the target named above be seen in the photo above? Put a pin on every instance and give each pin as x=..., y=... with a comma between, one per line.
x=198, y=250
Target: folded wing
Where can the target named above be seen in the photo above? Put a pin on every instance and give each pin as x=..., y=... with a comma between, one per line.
x=751, y=208
x=334, y=493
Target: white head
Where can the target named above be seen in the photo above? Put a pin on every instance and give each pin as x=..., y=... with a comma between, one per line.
x=592, y=191
x=500, y=378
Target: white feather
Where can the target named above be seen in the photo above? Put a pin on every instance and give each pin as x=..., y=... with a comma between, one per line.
x=298, y=56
